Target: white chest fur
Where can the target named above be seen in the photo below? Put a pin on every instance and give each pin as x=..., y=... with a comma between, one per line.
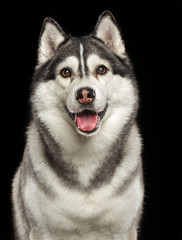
x=72, y=212
x=101, y=211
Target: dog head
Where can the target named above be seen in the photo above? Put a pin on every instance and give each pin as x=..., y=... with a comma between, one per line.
x=84, y=83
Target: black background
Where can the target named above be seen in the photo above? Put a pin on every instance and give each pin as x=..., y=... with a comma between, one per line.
x=152, y=34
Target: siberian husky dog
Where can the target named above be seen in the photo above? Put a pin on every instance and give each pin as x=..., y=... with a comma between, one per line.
x=81, y=174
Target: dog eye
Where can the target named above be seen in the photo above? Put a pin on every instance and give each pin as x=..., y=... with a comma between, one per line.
x=101, y=70
x=65, y=72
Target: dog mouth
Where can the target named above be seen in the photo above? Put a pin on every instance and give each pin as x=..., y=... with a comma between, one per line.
x=87, y=121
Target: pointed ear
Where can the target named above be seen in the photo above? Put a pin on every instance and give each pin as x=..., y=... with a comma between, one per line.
x=107, y=30
x=51, y=37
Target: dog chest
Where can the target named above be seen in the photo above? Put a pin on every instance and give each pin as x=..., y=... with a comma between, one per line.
x=73, y=211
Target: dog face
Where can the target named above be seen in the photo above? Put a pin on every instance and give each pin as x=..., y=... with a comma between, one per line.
x=87, y=82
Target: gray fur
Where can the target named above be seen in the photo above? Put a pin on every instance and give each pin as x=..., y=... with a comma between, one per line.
x=74, y=184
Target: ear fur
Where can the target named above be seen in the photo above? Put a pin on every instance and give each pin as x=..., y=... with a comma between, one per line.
x=107, y=30
x=51, y=37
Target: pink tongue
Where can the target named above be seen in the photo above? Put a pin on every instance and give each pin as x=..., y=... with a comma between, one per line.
x=87, y=122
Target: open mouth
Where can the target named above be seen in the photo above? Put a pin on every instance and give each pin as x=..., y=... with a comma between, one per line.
x=87, y=121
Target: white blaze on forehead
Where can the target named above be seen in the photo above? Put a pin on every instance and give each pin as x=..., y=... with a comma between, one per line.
x=82, y=60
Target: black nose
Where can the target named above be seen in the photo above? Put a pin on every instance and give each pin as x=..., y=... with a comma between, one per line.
x=85, y=95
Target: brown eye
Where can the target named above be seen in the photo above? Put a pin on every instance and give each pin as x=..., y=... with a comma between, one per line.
x=101, y=70
x=65, y=72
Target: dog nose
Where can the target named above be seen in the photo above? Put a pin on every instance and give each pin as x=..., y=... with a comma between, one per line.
x=85, y=95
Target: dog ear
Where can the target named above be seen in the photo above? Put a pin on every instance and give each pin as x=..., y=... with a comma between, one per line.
x=108, y=31
x=51, y=37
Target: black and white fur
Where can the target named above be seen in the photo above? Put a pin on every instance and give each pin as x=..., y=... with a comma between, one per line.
x=74, y=185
